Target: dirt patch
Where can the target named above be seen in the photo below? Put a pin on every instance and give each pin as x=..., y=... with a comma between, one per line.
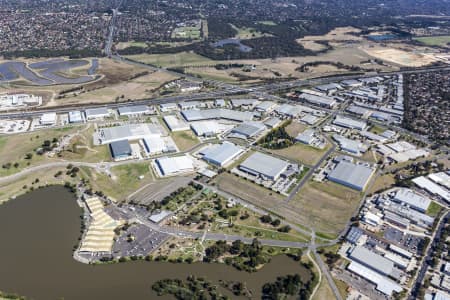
x=401, y=57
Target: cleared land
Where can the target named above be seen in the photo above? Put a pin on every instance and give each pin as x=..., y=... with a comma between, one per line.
x=158, y=189
x=123, y=45
x=302, y=153
x=124, y=179
x=172, y=60
x=441, y=41
x=382, y=183
x=327, y=207
x=400, y=57
x=185, y=140
x=14, y=148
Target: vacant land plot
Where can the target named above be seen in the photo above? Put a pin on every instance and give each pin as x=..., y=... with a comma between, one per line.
x=123, y=181
x=172, y=60
x=294, y=128
x=138, y=88
x=248, y=191
x=15, y=148
x=327, y=207
x=302, y=153
x=441, y=41
x=156, y=191
x=123, y=45
x=382, y=182
x=248, y=33
x=185, y=139
x=400, y=57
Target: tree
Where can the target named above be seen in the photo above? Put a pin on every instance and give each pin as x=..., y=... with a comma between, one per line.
x=266, y=219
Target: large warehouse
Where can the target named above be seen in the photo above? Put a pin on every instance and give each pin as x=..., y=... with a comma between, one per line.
x=126, y=132
x=352, y=175
x=216, y=113
x=206, y=128
x=169, y=166
x=221, y=155
x=120, y=150
x=247, y=130
x=266, y=166
x=175, y=124
x=349, y=123
x=412, y=199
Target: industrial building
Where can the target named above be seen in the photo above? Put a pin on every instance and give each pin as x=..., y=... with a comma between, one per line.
x=306, y=137
x=221, y=155
x=349, y=123
x=135, y=110
x=206, y=128
x=75, y=117
x=323, y=101
x=216, y=113
x=247, y=130
x=155, y=144
x=169, y=166
x=167, y=107
x=292, y=111
x=175, y=124
x=266, y=106
x=126, y=132
x=432, y=188
x=263, y=165
x=352, y=175
x=120, y=150
x=243, y=103
x=309, y=119
x=96, y=113
x=412, y=199
x=348, y=145
x=372, y=260
x=273, y=122
x=48, y=119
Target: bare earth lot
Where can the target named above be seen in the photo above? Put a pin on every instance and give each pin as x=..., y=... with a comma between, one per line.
x=325, y=206
x=302, y=153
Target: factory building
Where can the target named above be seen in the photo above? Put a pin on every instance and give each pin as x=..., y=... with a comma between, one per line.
x=412, y=199
x=247, y=130
x=169, y=166
x=96, y=113
x=221, y=155
x=175, y=124
x=206, y=128
x=48, y=119
x=75, y=117
x=120, y=150
x=263, y=165
x=349, y=123
x=323, y=101
x=351, y=175
x=216, y=113
x=133, y=111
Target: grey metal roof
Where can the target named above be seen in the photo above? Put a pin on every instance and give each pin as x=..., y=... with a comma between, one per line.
x=249, y=129
x=264, y=164
x=221, y=154
x=318, y=100
x=354, y=234
x=350, y=123
x=135, y=109
x=216, y=113
x=353, y=175
x=101, y=111
x=372, y=260
x=120, y=148
x=413, y=199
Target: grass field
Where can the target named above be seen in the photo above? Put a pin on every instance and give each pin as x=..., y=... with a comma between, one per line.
x=294, y=128
x=125, y=180
x=325, y=206
x=441, y=41
x=248, y=33
x=172, y=60
x=185, y=139
x=302, y=153
x=382, y=182
x=123, y=45
x=13, y=148
x=434, y=209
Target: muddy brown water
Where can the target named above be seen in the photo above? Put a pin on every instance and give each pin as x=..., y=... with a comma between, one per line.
x=38, y=231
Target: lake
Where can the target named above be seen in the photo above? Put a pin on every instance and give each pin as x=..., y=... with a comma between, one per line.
x=39, y=231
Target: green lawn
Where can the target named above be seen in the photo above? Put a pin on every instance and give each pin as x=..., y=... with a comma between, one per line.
x=441, y=41
x=434, y=209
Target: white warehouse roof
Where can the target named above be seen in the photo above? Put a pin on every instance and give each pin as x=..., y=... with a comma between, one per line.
x=352, y=175
x=432, y=187
x=349, y=123
x=372, y=260
x=175, y=165
x=222, y=154
x=412, y=199
x=265, y=165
